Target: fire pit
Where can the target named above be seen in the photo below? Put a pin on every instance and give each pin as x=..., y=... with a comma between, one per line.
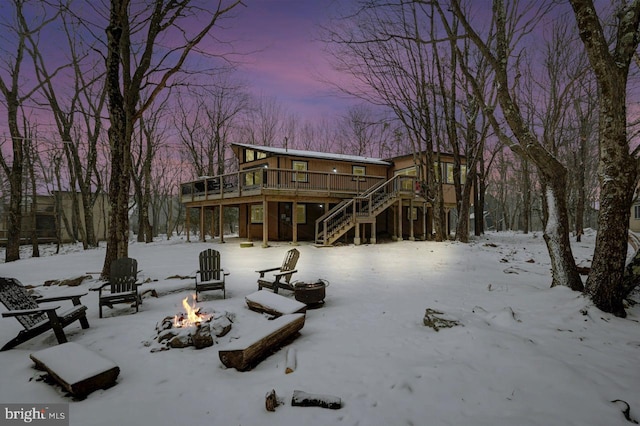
x=311, y=294
x=194, y=327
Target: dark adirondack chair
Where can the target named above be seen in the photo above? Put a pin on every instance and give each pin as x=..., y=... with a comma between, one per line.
x=211, y=276
x=122, y=286
x=37, y=319
x=281, y=278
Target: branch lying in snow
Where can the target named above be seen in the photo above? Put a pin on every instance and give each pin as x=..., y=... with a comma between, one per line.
x=433, y=319
x=626, y=410
x=303, y=399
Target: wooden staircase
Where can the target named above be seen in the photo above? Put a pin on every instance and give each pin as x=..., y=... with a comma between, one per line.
x=362, y=209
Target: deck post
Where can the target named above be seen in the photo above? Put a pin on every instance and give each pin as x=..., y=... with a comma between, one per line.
x=213, y=222
x=265, y=223
x=373, y=232
x=187, y=224
x=399, y=220
x=221, y=224
x=424, y=221
x=202, y=236
x=411, y=235
x=356, y=239
x=294, y=222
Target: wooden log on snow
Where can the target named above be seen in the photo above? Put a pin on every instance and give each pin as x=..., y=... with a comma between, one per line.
x=290, y=364
x=271, y=400
x=264, y=301
x=76, y=368
x=304, y=399
x=246, y=352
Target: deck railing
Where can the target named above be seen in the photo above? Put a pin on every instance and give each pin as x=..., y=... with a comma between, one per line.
x=252, y=181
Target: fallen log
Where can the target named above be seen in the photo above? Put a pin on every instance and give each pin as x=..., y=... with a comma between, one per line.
x=304, y=399
x=264, y=301
x=246, y=352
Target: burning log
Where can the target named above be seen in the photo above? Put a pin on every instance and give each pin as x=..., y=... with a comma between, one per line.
x=193, y=328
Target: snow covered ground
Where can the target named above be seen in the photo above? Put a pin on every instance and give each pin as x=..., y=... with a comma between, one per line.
x=524, y=354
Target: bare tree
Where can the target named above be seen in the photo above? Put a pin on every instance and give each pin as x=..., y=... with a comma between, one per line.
x=264, y=122
x=15, y=93
x=84, y=101
x=497, y=48
x=362, y=132
x=144, y=152
x=382, y=46
x=206, y=119
x=129, y=68
x=610, y=60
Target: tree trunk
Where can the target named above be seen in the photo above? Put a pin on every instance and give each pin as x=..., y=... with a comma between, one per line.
x=556, y=235
x=617, y=180
x=119, y=141
x=617, y=166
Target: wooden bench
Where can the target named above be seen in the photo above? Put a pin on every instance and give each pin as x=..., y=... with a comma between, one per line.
x=246, y=352
x=264, y=301
x=76, y=368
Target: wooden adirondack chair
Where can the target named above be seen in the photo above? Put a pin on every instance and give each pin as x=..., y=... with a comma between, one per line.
x=211, y=276
x=122, y=285
x=37, y=319
x=283, y=272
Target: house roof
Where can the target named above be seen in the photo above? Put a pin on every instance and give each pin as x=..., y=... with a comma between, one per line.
x=313, y=154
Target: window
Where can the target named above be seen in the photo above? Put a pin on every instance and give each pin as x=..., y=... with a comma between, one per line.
x=301, y=213
x=406, y=185
x=257, y=213
x=358, y=171
x=256, y=177
x=252, y=155
x=299, y=166
x=447, y=170
x=636, y=212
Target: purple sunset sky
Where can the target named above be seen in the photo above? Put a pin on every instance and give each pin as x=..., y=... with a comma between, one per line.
x=286, y=60
x=280, y=55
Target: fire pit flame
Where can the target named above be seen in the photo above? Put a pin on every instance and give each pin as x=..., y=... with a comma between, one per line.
x=193, y=317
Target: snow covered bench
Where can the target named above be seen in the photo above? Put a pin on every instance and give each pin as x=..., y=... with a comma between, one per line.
x=76, y=368
x=264, y=301
x=248, y=351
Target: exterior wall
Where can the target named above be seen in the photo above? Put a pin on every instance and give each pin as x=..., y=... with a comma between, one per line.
x=280, y=221
x=49, y=210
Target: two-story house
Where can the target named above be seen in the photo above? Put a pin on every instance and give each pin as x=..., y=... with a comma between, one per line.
x=294, y=195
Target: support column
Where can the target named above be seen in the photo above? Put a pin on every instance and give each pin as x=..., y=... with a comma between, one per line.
x=399, y=220
x=187, y=224
x=356, y=239
x=221, y=224
x=265, y=223
x=213, y=223
x=373, y=233
x=202, y=236
x=411, y=235
x=446, y=223
x=424, y=221
x=294, y=222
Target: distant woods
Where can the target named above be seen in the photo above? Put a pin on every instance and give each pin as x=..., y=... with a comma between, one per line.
x=530, y=99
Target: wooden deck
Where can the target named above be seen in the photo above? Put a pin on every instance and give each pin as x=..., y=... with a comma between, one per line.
x=263, y=181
